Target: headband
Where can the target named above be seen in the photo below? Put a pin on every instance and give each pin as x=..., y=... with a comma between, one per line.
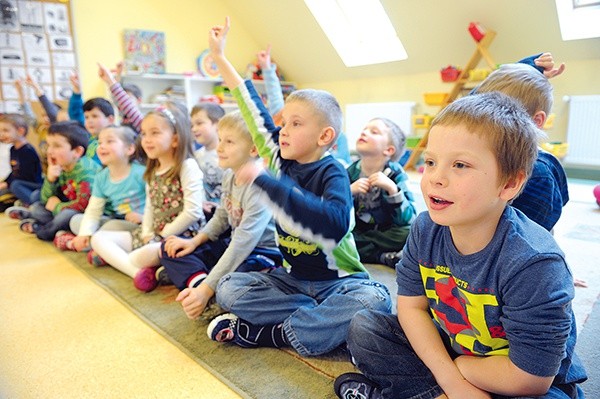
x=167, y=113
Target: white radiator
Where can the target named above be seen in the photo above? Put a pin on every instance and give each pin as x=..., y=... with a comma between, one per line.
x=583, y=132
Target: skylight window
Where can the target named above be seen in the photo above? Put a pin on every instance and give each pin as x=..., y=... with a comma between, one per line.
x=578, y=19
x=359, y=30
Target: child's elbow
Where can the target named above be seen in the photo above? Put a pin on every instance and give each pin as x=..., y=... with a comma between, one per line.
x=531, y=385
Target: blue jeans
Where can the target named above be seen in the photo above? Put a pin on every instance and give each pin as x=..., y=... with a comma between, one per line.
x=315, y=314
x=383, y=354
x=205, y=257
x=48, y=223
x=24, y=191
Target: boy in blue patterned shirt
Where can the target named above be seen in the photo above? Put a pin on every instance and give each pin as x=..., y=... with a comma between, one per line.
x=310, y=306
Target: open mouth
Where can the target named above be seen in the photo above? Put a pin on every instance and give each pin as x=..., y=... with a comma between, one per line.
x=439, y=201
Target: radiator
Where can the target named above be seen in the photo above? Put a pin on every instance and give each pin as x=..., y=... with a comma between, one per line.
x=583, y=132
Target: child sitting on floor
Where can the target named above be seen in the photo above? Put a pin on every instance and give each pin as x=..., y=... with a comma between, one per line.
x=196, y=264
x=383, y=205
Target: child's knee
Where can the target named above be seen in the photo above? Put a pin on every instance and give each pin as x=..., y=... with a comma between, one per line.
x=374, y=296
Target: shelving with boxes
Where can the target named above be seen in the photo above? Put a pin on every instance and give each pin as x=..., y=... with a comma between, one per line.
x=460, y=85
x=190, y=90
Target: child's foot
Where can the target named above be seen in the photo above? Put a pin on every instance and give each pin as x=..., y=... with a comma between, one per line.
x=63, y=240
x=162, y=277
x=230, y=328
x=390, y=259
x=355, y=385
x=94, y=259
x=18, y=212
x=29, y=226
x=145, y=279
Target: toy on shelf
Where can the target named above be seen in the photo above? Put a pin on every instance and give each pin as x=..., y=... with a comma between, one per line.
x=477, y=31
x=450, y=73
x=597, y=194
x=479, y=74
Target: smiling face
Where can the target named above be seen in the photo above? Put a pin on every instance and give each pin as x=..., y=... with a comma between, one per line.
x=460, y=182
x=95, y=121
x=8, y=133
x=61, y=153
x=235, y=148
x=204, y=130
x=112, y=149
x=374, y=140
x=158, y=138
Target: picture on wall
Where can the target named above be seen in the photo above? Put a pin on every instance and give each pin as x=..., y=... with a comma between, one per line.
x=144, y=51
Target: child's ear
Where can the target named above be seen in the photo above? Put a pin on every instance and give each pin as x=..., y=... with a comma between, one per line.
x=539, y=119
x=389, y=151
x=111, y=119
x=512, y=187
x=254, y=151
x=326, y=137
x=79, y=150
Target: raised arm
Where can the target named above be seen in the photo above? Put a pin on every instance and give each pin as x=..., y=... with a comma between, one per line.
x=126, y=105
x=76, y=101
x=50, y=108
x=217, y=38
x=272, y=84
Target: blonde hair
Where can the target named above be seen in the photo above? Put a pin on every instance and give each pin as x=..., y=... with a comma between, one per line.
x=523, y=83
x=396, y=136
x=235, y=121
x=176, y=116
x=323, y=104
x=504, y=123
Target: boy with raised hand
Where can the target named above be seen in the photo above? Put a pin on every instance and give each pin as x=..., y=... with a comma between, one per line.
x=67, y=187
x=309, y=306
x=383, y=203
x=484, y=293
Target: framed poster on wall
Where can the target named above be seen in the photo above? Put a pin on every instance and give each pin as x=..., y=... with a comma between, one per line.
x=144, y=51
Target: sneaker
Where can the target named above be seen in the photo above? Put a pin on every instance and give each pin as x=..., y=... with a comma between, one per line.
x=355, y=386
x=390, y=259
x=18, y=212
x=229, y=328
x=145, y=279
x=162, y=277
x=94, y=259
x=29, y=226
x=63, y=240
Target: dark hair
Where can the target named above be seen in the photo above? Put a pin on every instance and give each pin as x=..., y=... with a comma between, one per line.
x=213, y=111
x=101, y=103
x=133, y=89
x=75, y=134
x=17, y=120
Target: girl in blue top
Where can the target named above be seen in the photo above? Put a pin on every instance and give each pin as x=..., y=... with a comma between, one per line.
x=118, y=194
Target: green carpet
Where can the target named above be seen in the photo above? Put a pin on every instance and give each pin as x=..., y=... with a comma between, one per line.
x=252, y=373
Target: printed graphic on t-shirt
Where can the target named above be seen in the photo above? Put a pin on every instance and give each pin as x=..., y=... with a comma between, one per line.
x=234, y=210
x=367, y=202
x=469, y=315
x=212, y=181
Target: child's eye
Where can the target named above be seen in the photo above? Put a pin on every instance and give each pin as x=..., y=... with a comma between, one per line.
x=460, y=165
x=429, y=162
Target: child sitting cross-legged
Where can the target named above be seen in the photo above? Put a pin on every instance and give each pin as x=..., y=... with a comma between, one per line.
x=484, y=293
x=118, y=194
x=383, y=204
x=67, y=187
x=196, y=264
x=307, y=305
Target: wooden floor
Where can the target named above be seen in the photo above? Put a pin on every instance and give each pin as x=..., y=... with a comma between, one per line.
x=62, y=336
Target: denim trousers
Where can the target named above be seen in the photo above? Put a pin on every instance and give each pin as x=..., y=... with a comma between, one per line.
x=383, y=354
x=315, y=314
x=24, y=191
x=49, y=224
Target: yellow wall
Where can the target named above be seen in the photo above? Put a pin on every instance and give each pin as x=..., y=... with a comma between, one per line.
x=99, y=26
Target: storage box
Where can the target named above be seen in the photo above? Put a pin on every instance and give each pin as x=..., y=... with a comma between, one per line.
x=412, y=141
x=479, y=74
x=435, y=98
x=421, y=121
x=450, y=73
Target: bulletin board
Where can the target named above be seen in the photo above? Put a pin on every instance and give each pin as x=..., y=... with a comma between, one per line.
x=36, y=37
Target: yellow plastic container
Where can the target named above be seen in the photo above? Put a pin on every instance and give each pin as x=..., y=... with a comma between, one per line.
x=435, y=98
x=479, y=74
x=549, y=124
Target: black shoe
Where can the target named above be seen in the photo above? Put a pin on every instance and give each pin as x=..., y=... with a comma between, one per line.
x=355, y=386
x=162, y=277
x=390, y=259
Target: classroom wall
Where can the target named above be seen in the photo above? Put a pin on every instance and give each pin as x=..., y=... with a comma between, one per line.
x=99, y=27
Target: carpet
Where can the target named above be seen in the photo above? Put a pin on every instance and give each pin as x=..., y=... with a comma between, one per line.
x=252, y=373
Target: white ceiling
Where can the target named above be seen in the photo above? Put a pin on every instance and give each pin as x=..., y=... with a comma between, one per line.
x=433, y=32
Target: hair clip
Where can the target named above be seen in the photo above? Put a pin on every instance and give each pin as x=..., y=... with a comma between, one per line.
x=166, y=112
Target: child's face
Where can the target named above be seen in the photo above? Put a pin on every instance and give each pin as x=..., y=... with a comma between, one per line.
x=95, y=121
x=112, y=149
x=234, y=149
x=158, y=138
x=298, y=139
x=9, y=134
x=204, y=130
x=374, y=140
x=60, y=152
x=460, y=183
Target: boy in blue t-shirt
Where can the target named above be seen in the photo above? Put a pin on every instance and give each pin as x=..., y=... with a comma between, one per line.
x=484, y=293
x=309, y=194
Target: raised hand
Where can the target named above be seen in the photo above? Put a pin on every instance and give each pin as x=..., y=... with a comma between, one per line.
x=217, y=38
x=264, y=58
x=546, y=61
x=106, y=75
x=75, y=84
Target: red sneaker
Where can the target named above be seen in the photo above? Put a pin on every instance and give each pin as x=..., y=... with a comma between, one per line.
x=145, y=279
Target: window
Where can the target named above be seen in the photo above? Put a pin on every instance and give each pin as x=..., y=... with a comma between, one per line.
x=578, y=19
x=359, y=30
